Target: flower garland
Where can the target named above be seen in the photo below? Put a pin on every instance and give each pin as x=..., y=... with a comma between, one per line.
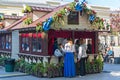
x=58, y=17
x=28, y=21
x=39, y=27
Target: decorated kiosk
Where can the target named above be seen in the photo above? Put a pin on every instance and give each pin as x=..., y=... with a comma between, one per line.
x=75, y=20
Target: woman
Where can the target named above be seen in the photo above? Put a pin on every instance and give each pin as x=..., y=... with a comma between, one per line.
x=82, y=56
x=69, y=65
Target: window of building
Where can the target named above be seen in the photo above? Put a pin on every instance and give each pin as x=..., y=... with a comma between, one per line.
x=2, y=46
x=31, y=42
x=6, y=42
x=36, y=45
x=73, y=18
x=25, y=44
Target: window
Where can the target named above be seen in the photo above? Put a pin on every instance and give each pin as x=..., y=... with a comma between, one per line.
x=73, y=18
x=36, y=45
x=2, y=46
x=6, y=42
x=25, y=44
x=31, y=43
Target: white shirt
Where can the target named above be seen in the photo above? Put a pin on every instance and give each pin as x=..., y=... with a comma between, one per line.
x=69, y=48
x=82, y=51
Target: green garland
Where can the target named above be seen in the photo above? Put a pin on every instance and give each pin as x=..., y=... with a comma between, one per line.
x=28, y=21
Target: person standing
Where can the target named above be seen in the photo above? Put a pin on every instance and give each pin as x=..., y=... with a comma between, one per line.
x=82, y=56
x=69, y=64
x=89, y=47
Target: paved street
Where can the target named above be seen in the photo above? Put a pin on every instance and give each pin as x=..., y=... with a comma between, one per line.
x=110, y=72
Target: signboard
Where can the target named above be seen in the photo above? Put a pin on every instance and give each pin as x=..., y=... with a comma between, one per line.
x=73, y=17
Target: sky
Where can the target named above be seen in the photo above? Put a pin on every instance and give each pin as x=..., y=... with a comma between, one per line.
x=113, y=4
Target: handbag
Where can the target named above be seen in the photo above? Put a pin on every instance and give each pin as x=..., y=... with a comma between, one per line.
x=58, y=53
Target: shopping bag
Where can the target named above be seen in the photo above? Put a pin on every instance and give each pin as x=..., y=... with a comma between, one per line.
x=58, y=53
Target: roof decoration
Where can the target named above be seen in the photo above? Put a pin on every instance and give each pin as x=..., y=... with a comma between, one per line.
x=58, y=17
x=28, y=21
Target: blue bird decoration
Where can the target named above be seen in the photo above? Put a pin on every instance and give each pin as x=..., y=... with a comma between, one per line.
x=46, y=25
x=91, y=17
x=78, y=7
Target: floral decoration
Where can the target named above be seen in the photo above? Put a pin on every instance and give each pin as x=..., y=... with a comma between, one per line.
x=28, y=21
x=58, y=17
x=39, y=27
x=26, y=9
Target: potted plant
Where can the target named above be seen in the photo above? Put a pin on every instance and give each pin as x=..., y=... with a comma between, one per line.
x=39, y=70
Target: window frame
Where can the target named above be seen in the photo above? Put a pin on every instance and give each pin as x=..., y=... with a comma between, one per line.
x=9, y=36
x=30, y=45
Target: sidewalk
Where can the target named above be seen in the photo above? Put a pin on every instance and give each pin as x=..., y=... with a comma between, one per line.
x=110, y=72
x=4, y=74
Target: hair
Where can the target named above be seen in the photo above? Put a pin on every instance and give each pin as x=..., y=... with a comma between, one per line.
x=77, y=41
x=89, y=41
x=81, y=40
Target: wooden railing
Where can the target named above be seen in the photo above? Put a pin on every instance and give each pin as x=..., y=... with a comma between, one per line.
x=34, y=58
x=6, y=54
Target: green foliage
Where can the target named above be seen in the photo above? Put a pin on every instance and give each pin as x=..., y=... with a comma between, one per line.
x=28, y=21
x=55, y=70
x=39, y=27
x=2, y=59
x=20, y=65
x=72, y=5
x=94, y=66
x=39, y=69
x=28, y=9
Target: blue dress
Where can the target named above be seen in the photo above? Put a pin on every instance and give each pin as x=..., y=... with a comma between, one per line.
x=69, y=65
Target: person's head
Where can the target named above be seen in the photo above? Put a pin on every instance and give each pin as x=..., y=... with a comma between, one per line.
x=89, y=41
x=77, y=41
x=82, y=41
x=60, y=45
x=70, y=41
x=108, y=48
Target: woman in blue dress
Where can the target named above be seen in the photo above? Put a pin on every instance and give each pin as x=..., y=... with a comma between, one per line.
x=69, y=64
